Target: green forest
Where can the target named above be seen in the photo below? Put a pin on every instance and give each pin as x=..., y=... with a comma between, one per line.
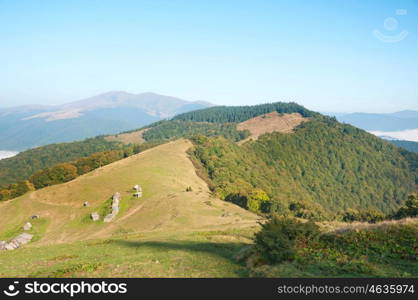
x=322, y=169
x=237, y=114
x=30, y=161
x=64, y=172
x=186, y=129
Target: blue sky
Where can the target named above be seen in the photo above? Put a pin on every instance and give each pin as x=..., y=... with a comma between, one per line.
x=322, y=54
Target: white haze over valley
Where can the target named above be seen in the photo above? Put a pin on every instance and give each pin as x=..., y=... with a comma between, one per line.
x=406, y=135
x=6, y=154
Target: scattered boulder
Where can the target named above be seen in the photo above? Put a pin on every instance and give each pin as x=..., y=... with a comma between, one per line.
x=34, y=217
x=138, y=190
x=86, y=204
x=108, y=218
x=27, y=226
x=115, y=208
x=22, y=239
x=18, y=241
x=10, y=246
x=95, y=216
x=116, y=196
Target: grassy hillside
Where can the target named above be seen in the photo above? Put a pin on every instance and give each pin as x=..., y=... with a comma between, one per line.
x=168, y=233
x=171, y=232
x=164, y=172
x=184, y=254
x=322, y=169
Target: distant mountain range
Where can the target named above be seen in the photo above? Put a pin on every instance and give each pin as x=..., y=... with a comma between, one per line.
x=398, y=121
x=402, y=125
x=408, y=145
x=30, y=126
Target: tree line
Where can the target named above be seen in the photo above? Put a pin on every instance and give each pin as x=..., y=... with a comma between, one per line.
x=64, y=172
x=237, y=114
x=26, y=163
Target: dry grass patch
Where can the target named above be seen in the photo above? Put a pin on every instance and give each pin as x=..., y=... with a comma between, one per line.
x=271, y=122
x=136, y=137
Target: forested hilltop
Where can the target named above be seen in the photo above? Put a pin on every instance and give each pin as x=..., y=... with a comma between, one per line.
x=236, y=114
x=322, y=169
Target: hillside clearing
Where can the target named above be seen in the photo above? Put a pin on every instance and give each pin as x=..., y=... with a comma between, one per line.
x=136, y=137
x=271, y=122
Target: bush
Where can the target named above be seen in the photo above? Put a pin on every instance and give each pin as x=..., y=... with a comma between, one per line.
x=54, y=175
x=16, y=190
x=367, y=215
x=307, y=210
x=256, y=200
x=278, y=239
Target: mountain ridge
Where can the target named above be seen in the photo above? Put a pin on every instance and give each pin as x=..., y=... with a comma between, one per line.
x=31, y=126
x=397, y=121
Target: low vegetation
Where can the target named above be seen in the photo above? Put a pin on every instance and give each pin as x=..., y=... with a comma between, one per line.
x=68, y=171
x=290, y=247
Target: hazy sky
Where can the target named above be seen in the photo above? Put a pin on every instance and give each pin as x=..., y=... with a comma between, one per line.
x=322, y=54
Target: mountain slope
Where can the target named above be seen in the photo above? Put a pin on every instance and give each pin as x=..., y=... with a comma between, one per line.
x=322, y=169
x=164, y=172
x=112, y=112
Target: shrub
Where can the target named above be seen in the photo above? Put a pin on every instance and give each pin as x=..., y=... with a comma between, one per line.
x=256, y=200
x=367, y=215
x=307, y=210
x=279, y=238
x=410, y=209
x=57, y=174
